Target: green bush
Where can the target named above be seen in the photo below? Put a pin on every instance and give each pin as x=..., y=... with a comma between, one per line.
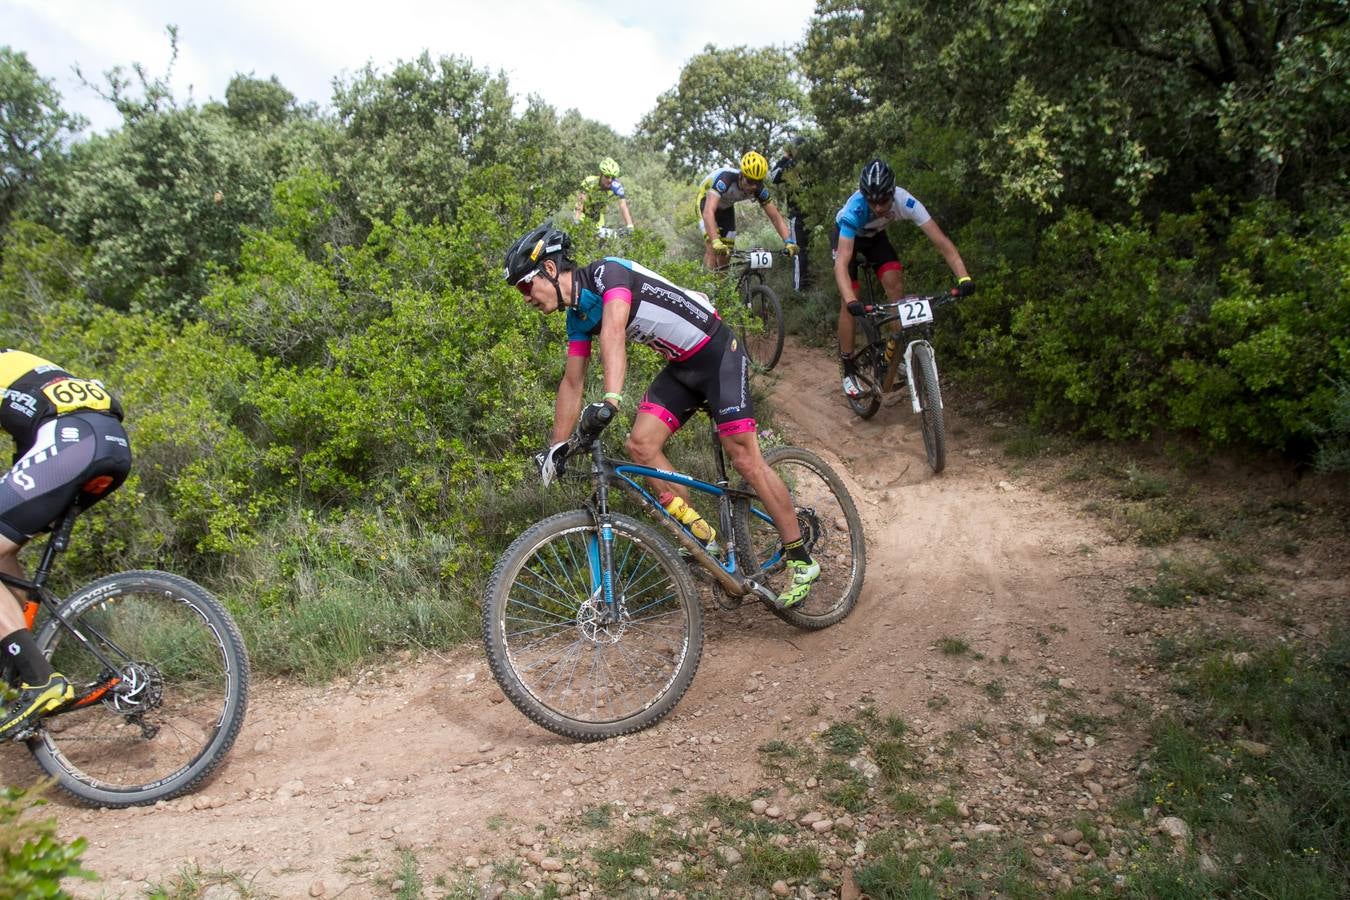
x=1235, y=327
x=34, y=859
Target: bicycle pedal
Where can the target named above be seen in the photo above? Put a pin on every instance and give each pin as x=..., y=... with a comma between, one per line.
x=26, y=734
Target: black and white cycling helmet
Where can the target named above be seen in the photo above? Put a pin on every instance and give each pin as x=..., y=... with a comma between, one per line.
x=528, y=254
x=877, y=182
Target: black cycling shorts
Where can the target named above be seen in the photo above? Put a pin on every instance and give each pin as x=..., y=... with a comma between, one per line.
x=716, y=378
x=81, y=456
x=723, y=216
x=877, y=250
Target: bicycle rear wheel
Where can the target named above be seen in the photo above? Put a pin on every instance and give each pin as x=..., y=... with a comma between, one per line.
x=871, y=366
x=930, y=398
x=552, y=652
x=833, y=531
x=157, y=722
x=763, y=334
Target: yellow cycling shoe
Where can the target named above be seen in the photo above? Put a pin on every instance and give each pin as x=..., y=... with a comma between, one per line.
x=33, y=702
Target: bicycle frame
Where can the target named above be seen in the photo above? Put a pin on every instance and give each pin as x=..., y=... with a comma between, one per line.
x=36, y=588
x=609, y=473
x=881, y=320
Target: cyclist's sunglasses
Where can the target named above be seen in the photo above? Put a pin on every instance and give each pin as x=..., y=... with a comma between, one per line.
x=523, y=285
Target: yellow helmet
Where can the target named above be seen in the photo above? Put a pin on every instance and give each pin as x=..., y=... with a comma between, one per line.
x=754, y=166
x=609, y=167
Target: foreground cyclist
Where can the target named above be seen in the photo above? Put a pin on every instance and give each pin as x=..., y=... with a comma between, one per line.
x=596, y=191
x=617, y=300
x=717, y=198
x=860, y=227
x=68, y=441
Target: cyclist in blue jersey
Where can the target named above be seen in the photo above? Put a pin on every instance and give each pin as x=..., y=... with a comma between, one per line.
x=613, y=301
x=860, y=227
x=717, y=198
x=68, y=446
x=596, y=191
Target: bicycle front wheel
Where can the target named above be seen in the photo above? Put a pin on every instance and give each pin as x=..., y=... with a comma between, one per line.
x=831, y=526
x=763, y=335
x=930, y=399
x=158, y=712
x=567, y=662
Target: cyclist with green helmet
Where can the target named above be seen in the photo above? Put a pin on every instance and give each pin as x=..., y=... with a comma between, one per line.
x=717, y=198
x=596, y=191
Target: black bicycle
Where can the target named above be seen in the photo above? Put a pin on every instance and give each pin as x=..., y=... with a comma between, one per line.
x=160, y=675
x=591, y=621
x=762, y=333
x=878, y=360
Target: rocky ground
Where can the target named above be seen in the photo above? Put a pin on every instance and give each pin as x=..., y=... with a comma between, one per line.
x=976, y=724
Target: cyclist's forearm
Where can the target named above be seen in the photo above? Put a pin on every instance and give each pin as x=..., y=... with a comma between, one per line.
x=627, y=216
x=566, y=410
x=777, y=219
x=842, y=279
x=614, y=359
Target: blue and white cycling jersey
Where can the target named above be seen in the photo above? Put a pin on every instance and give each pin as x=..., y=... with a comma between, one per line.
x=856, y=219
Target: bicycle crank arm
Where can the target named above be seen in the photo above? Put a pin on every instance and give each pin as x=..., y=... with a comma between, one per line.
x=768, y=595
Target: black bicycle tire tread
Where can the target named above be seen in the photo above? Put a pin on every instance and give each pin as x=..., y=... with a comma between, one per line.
x=932, y=403
x=850, y=509
x=777, y=306
x=509, y=684
x=205, y=765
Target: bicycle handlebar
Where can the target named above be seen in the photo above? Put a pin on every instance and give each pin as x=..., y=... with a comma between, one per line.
x=868, y=309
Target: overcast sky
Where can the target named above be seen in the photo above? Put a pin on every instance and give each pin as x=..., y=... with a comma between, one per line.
x=610, y=59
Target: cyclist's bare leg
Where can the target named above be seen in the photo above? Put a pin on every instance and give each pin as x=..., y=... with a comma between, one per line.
x=893, y=283
x=845, y=329
x=11, y=610
x=646, y=447
x=743, y=449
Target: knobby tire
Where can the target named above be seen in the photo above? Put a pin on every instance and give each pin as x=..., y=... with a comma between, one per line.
x=829, y=521
x=183, y=673
x=559, y=666
x=929, y=393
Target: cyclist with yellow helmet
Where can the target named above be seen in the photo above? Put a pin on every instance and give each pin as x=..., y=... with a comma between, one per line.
x=717, y=198
x=596, y=191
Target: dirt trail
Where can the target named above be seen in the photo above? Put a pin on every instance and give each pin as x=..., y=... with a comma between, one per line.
x=326, y=786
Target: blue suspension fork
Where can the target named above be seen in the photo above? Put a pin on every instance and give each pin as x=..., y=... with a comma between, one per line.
x=602, y=546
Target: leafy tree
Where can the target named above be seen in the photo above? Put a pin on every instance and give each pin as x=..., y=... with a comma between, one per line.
x=32, y=127
x=1097, y=105
x=258, y=104
x=159, y=202
x=414, y=133
x=726, y=102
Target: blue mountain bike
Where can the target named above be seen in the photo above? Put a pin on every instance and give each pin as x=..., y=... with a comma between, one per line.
x=591, y=620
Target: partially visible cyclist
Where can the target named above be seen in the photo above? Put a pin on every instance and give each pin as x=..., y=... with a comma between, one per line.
x=860, y=227
x=596, y=191
x=68, y=444
x=717, y=198
x=788, y=176
x=616, y=301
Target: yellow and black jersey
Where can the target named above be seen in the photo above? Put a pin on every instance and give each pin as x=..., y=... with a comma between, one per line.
x=36, y=390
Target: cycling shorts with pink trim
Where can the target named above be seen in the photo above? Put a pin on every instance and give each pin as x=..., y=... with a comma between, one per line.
x=716, y=378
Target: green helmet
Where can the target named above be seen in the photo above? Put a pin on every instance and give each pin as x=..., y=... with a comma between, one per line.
x=609, y=167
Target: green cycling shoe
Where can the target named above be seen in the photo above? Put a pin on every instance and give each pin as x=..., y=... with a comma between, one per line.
x=803, y=575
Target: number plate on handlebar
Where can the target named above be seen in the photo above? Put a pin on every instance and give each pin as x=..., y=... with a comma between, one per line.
x=760, y=259
x=916, y=312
